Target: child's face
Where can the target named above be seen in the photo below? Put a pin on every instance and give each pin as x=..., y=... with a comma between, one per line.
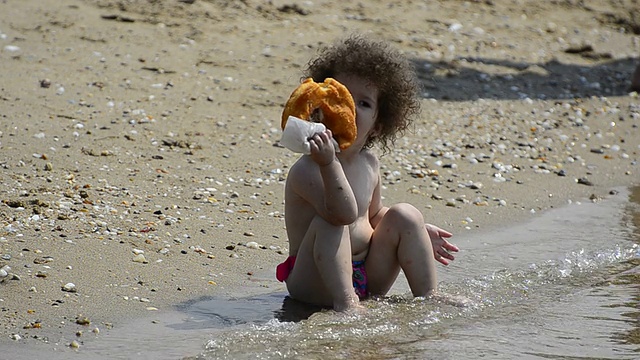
x=365, y=96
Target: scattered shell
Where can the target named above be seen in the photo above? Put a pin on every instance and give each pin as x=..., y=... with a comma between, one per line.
x=584, y=181
x=140, y=259
x=74, y=344
x=4, y=271
x=83, y=321
x=12, y=48
x=69, y=287
x=253, y=245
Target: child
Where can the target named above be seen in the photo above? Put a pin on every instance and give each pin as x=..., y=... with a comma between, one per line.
x=341, y=237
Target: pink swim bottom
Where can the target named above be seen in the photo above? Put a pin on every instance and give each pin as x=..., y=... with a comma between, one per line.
x=359, y=274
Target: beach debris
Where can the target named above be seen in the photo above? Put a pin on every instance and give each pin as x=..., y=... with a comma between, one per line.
x=83, y=320
x=12, y=48
x=293, y=9
x=120, y=18
x=252, y=245
x=74, y=344
x=33, y=325
x=69, y=287
x=584, y=181
x=5, y=274
x=43, y=260
x=139, y=258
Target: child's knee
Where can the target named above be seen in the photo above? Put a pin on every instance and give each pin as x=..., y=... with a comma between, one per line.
x=405, y=212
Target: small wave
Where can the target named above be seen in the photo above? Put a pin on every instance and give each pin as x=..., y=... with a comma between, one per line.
x=390, y=323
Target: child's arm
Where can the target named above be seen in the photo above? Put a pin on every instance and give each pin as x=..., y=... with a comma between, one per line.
x=333, y=197
x=376, y=209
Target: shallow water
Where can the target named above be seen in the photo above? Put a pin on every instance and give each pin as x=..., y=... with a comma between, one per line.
x=564, y=286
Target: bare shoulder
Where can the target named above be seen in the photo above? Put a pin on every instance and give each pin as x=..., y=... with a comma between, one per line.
x=370, y=158
x=302, y=168
x=303, y=171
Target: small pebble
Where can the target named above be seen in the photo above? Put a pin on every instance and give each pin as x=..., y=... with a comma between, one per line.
x=140, y=259
x=69, y=287
x=253, y=245
x=584, y=181
x=83, y=321
x=12, y=48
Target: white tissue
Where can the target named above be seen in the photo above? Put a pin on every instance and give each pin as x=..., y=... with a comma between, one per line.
x=297, y=132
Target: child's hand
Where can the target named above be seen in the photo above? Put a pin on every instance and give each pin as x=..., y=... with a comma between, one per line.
x=323, y=150
x=441, y=247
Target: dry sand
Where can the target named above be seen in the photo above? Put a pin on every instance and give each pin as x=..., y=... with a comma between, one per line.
x=149, y=129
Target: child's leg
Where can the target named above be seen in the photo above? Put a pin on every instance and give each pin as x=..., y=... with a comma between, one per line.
x=401, y=241
x=322, y=272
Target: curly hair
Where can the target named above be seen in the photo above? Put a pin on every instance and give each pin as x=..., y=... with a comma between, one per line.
x=383, y=67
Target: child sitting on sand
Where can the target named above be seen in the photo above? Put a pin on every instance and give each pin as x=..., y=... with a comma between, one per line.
x=345, y=245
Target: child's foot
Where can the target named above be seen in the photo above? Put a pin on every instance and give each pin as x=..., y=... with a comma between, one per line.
x=454, y=300
x=350, y=304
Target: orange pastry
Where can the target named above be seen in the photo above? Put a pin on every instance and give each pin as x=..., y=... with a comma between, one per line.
x=335, y=103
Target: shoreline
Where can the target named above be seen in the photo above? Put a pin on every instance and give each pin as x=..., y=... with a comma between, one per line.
x=140, y=156
x=156, y=334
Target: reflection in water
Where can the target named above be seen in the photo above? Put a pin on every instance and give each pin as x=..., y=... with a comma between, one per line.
x=294, y=311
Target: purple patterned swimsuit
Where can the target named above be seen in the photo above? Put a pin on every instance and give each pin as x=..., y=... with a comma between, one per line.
x=359, y=275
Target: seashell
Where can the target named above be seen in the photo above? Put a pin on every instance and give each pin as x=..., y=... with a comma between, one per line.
x=69, y=287
x=253, y=245
x=140, y=259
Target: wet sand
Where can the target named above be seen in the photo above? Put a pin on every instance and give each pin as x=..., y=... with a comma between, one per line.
x=139, y=141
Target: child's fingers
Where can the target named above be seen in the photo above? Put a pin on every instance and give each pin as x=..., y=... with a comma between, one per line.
x=440, y=232
x=444, y=233
x=450, y=247
x=313, y=146
x=329, y=133
x=445, y=254
x=443, y=257
x=327, y=136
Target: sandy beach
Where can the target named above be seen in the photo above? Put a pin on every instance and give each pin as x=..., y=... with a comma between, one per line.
x=140, y=163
